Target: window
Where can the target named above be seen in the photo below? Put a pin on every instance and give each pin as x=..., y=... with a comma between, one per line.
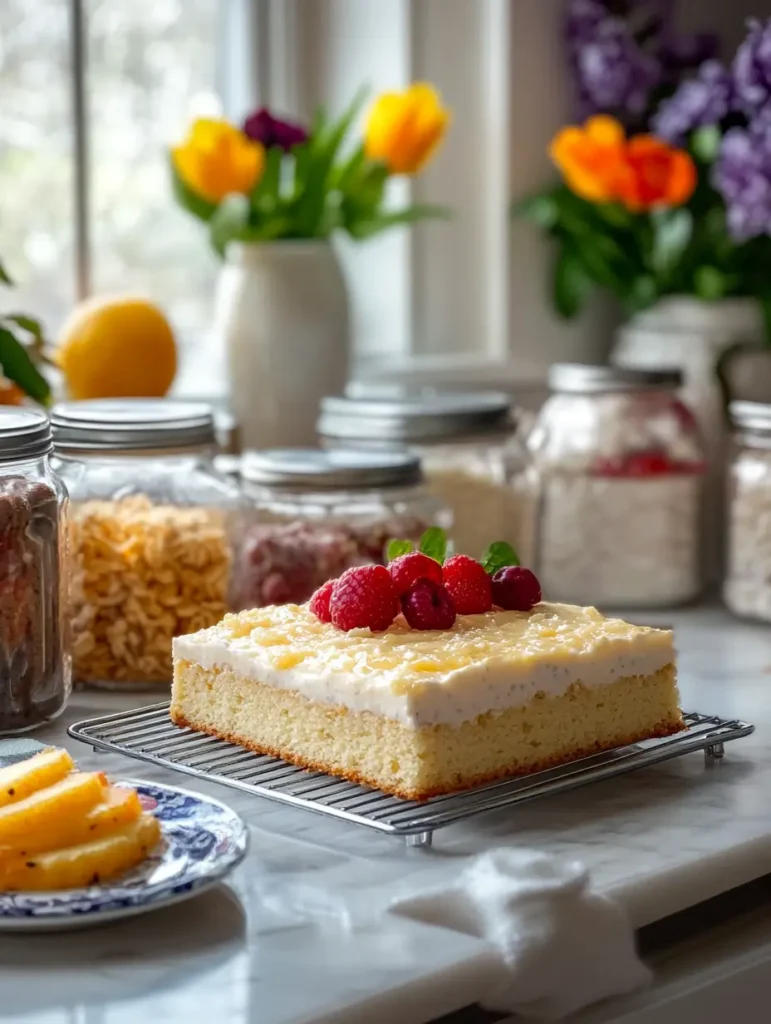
x=146, y=67
x=464, y=292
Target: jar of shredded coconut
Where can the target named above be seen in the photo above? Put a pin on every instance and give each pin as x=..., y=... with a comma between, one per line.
x=617, y=471
x=155, y=532
x=319, y=513
x=471, y=456
x=747, y=587
x=35, y=668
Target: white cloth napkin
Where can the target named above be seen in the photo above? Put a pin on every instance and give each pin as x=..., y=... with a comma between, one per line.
x=563, y=946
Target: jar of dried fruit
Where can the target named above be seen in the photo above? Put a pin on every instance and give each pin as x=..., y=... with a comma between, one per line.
x=617, y=469
x=320, y=513
x=747, y=587
x=154, y=531
x=471, y=455
x=35, y=666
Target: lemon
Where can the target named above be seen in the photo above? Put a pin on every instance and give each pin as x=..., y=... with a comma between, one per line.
x=117, y=348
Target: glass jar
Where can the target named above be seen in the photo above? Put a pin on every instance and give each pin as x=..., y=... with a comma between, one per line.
x=471, y=457
x=35, y=666
x=154, y=533
x=618, y=470
x=319, y=513
x=747, y=587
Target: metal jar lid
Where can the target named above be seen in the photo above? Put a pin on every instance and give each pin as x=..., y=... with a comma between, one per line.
x=131, y=424
x=333, y=470
x=581, y=378
x=751, y=416
x=24, y=434
x=430, y=417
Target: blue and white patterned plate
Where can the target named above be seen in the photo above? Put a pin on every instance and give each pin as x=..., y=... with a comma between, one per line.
x=203, y=840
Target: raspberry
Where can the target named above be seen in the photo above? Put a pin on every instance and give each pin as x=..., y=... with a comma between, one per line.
x=427, y=605
x=319, y=603
x=363, y=597
x=406, y=570
x=468, y=585
x=516, y=589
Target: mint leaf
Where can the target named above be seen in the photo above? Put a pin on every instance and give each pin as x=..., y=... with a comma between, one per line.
x=498, y=556
x=398, y=547
x=434, y=543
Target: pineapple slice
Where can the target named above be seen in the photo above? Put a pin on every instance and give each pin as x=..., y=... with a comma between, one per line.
x=18, y=781
x=51, y=808
x=119, y=806
x=75, y=867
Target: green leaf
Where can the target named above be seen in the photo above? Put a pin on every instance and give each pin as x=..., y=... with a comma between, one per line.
x=709, y=282
x=498, y=556
x=190, y=200
x=366, y=228
x=229, y=221
x=18, y=367
x=434, y=543
x=571, y=284
x=614, y=214
x=705, y=143
x=398, y=547
x=4, y=276
x=672, y=232
x=27, y=323
x=265, y=192
x=541, y=209
x=642, y=293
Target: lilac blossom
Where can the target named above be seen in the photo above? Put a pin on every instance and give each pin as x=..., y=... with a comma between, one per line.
x=703, y=100
x=752, y=68
x=611, y=71
x=743, y=176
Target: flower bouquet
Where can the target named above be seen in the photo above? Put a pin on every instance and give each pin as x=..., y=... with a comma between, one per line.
x=273, y=179
x=682, y=208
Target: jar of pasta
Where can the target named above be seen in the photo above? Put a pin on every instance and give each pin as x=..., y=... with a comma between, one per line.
x=154, y=532
x=618, y=470
x=747, y=587
x=35, y=667
x=471, y=456
x=319, y=513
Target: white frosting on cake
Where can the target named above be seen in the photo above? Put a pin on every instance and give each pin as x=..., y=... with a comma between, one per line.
x=484, y=663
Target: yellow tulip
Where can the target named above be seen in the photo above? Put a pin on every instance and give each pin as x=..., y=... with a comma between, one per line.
x=216, y=159
x=404, y=128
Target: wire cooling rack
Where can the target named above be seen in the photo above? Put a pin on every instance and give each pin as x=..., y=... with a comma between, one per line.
x=148, y=734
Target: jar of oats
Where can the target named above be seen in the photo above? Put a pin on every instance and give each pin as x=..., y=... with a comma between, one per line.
x=319, y=513
x=471, y=456
x=35, y=668
x=618, y=468
x=747, y=587
x=153, y=529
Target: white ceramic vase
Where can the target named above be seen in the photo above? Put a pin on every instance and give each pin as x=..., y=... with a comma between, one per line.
x=707, y=341
x=282, y=310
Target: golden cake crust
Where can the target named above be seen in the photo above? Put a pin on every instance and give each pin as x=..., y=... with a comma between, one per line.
x=419, y=795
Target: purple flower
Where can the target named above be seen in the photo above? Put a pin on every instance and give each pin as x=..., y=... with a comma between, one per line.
x=683, y=52
x=611, y=71
x=263, y=127
x=743, y=176
x=705, y=99
x=752, y=68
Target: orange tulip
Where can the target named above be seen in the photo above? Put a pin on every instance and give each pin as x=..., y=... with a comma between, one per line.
x=591, y=158
x=599, y=164
x=217, y=159
x=657, y=175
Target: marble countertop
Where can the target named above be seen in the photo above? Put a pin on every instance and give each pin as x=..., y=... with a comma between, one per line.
x=283, y=942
